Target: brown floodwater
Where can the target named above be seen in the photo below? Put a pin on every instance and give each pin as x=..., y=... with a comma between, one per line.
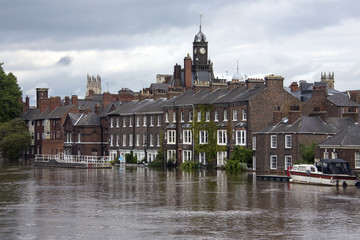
x=142, y=203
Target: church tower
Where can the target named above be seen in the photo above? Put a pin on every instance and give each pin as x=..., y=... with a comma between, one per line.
x=93, y=85
x=328, y=79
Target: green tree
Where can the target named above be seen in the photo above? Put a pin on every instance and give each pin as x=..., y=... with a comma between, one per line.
x=10, y=95
x=14, y=138
x=239, y=156
x=307, y=152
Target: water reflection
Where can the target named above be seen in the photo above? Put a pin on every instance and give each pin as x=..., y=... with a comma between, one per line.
x=137, y=202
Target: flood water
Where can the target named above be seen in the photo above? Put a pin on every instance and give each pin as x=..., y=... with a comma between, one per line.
x=142, y=203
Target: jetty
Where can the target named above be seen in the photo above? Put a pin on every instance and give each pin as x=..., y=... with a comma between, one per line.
x=71, y=161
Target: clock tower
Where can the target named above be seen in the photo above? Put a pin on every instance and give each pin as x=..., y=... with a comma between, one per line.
x=200, y=51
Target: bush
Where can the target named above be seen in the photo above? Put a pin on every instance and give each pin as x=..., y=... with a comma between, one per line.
x=234, y=166
x=129, y=158
x=156, y=164
x=188, y=165
x=239, y=159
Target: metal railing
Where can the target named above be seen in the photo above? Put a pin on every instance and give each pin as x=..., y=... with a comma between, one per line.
x=72, y=158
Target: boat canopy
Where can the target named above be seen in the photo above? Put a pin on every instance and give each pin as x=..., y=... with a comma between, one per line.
x=334, y=166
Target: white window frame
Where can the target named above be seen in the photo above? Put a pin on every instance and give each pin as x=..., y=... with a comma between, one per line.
x=171, y=154
x=221, y=137
x=167, y=117
x=216, y=116
x=151, y=121
x=235, y=117
x=190, y=116
x=254, y=143
x=158, y=140
x=144, y=139
x=151, y=140
x=273, y=141
x=187, y=155
x=199, y=116
x=240, y=137
x=137, y=139
x=130, y=139
x=111, y=140
x=326, y=154
x=144, y=121
x=171, y=136
x=124, y=121
x=111, y=122
x=273, y=162
x=207, y=116
x=159, y=120
x=124, y=140
x=288, y=141
x=181, y=116
x=79, y=137
x=244, y=114
x=221, y=158
x=226, y=117
x=138, y=121
x=174, y=117
x=130, y=121
x=288, y=161
x=117, y=122
x=357, y=159
x=202, y=158
x=187, y=137
x=203, y=137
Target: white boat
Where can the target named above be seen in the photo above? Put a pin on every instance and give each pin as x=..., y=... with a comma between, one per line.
x=332, y=172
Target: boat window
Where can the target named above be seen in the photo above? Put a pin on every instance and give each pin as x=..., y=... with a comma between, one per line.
x=312, y=169
x=302, y=168
x=294, y=168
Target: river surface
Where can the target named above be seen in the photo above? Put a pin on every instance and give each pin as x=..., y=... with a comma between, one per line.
x=142, y=203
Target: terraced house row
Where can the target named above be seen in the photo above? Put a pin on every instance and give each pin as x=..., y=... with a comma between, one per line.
x=194, y=116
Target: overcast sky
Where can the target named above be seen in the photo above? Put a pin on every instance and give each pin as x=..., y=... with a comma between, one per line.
x=55, y=44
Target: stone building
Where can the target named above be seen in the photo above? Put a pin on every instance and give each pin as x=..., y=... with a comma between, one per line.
x=93, y=85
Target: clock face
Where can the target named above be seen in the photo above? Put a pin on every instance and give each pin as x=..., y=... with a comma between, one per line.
x=202, y=50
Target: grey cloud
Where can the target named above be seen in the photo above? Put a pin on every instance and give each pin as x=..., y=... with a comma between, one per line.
x=64, y=61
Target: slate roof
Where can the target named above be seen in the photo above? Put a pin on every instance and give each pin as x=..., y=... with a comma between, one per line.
x=90, y=119
x=160, y=86
x=59, y=111
x=152, y=107
x=349, y=137
x=341, y=100
x=313, y=125
x=145, y=106
x=30, y=114
x=89, y=104
x=107, y=108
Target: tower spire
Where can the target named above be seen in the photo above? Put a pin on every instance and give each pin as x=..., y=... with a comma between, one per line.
x=200, y=21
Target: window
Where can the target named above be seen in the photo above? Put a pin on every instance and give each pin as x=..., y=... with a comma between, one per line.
x=254, y=162
x=144, y=139
x=334, y=154
x=221, y=158
x=111, y=122
x=130, y=140
x=234, y=115
x=151, y=140
x=117, y=122
x=117, y=140
x=190, y=116
x=159, y=120
x=225, y=115
x=158, y=140
x=171, y=154
x=244, y=114
x=137, y=140
x=357, y=160
x=241, y=137
x=254, y=143
x=216, y=116
x=130, y=121
x=203, y=137
x=273, y=161
x=288, y=141
x=199, y=116
x=79, y=137
x=221, y=137
x=151, y=121
x=124, y=122
x=167, y=117
x=207, y=116
x=326, y=154
x=288, y=162
x=124, y=140
x=137, y=121
x=174, y=117
x=182, y=117
x=202, y=158
x=171, y=136
x=111, y=140
x=273, y=141
x=187, y=155
x=144, y=121
x=187, y=137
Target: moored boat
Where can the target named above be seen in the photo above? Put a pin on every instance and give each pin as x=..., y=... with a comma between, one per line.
x=333, y=172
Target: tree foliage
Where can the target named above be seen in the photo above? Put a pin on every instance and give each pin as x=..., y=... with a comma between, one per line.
x=238, y=159
x=14, y=138
x=307, y=152
x=10, y=95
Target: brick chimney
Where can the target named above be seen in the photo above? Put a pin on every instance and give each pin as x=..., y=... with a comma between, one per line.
x=187, y=71
x=277, y=115
x=294, y=87
x=250, y=82
x=27, y=103
x=44, y=104
x=54, y=103
x=74, y=100
x=294, y=114
x=235, y=84
x=97, y=109
x=67, y=100
x=106, y=99
x=274, y=82
x=41, y=93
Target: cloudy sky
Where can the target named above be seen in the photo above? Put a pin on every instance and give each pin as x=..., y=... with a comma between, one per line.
x=55, y=44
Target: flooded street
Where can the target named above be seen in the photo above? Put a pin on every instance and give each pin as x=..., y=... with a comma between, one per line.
x=139, y=203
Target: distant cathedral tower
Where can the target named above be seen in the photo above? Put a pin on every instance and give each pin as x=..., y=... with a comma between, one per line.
x=93, y=85
x=329, y=79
